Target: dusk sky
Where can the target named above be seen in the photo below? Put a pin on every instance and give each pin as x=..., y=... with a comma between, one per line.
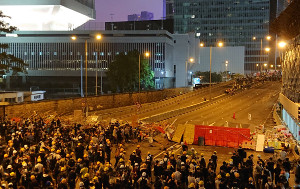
x=122, y=8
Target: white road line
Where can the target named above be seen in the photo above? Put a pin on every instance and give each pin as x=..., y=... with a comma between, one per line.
x=164, y=151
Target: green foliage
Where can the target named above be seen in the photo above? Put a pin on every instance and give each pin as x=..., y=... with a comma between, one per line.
x=205, y=77
x=123, y=73
x=9, y=62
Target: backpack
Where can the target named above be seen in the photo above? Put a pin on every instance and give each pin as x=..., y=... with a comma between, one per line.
x=143, y=183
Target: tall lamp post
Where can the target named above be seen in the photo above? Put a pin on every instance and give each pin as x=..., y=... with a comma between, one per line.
x=220, y=44
x=190, y=60
x=74, y=37
x=281, y=45
x=226, y=65
x=98, y=37
x=146, y=54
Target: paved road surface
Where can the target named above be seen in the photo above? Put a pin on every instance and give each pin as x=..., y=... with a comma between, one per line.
x=257, y=101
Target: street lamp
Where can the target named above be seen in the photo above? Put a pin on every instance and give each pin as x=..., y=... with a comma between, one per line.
x=98, y=37
x=268, y=37
x=146, y=54
x=190, y=60
x=267, y=49
x=74, y=37
x=226, y=65
x=220, y=44
x=281, y=45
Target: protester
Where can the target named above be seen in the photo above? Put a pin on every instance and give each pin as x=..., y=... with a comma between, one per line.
x=36, y=154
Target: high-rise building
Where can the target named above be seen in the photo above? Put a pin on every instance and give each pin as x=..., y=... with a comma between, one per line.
x=235, y=22
x=48, y=15
x=145, y=15
x=169, y=8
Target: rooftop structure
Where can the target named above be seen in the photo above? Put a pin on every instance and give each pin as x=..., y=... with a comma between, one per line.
x=48, y=15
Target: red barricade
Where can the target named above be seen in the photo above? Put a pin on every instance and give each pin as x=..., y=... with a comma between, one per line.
x=221, y=136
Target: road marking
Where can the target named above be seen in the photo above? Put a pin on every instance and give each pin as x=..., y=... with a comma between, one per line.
x=164, y=151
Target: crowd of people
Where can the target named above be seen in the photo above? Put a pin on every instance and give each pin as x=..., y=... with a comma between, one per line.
x=39, y=155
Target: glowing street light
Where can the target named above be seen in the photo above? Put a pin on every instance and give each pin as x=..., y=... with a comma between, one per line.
x=98, y=36
x=282, y=44
x=201, y=44
x=268, y=37
x=267, y=49
x=220, y=44
x=265, y=64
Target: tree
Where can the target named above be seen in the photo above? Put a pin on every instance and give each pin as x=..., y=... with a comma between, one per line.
x=205, y=77
x=123, y=73
x=8, y=62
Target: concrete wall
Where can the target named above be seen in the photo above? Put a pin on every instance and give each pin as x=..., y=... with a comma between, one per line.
x=67, y=106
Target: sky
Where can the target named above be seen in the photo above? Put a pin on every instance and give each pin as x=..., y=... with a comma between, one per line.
x=122, y=8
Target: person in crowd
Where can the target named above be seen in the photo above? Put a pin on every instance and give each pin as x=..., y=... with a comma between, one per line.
x=46, y=154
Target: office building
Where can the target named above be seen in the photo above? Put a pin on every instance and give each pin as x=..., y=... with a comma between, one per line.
x=48, y=15
x=54, y=60
x=233, y=22
x=169, y=9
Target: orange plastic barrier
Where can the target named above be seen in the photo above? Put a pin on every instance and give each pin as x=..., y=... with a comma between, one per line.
x=221, y=136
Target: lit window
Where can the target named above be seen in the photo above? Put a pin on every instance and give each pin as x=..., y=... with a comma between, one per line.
x=55, y=53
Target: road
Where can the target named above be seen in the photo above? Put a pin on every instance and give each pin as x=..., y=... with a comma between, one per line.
x=257, y=101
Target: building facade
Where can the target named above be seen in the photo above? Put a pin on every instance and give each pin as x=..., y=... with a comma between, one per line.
x=54, y=60
x=232, y=56
x=233, y=22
